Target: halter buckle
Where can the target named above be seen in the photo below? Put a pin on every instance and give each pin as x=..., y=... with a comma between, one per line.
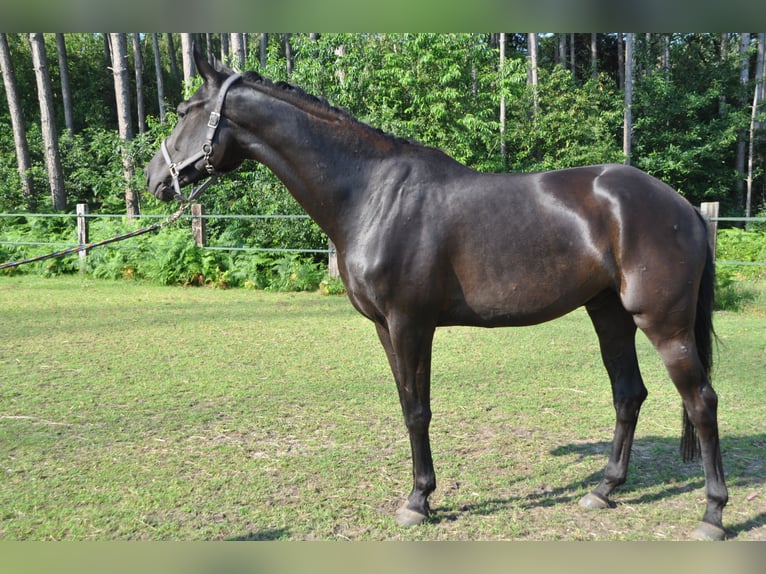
x=215, y=119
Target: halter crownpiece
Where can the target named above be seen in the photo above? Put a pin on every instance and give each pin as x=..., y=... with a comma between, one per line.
x=207, y=148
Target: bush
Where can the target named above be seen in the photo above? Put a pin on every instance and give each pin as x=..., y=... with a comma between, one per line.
x=747, y=246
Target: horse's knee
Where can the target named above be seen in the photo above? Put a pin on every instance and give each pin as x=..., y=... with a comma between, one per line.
x=417, y=418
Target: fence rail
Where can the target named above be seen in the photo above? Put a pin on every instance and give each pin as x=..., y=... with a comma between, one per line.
x=198, y=218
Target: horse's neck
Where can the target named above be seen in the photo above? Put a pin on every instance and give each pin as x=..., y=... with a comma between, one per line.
x=323, y=159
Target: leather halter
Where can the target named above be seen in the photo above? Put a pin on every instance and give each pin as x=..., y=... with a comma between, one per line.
x=207, y=148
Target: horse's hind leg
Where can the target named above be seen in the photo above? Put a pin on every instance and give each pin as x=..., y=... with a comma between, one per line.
x=616, y=332
x=679, y=353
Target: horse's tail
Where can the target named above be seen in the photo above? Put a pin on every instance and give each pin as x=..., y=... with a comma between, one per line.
x=704, y=335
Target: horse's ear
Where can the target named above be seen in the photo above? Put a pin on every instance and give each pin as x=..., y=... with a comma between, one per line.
x=207, y=71
x=221, y=67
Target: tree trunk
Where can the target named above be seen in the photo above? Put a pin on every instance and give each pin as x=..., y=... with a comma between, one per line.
x=572, y=53
x=562, y=54
x=621, y=61
x=532, y=76
x=754, y=125
x=138, y=61
x=666, y=55
x=17, y=123
x=744, y=77
x=594, y=55
x=124, y=120
x=238, y=50
x=288, y=55
x=187, y=58
x=48, y=122
x=158, y=72
x=503, y=154
x=760, y=74
x=224, y=47
x=209, y=47
x=264, y=49
x=628, y=123
x=173, y=59
x=66, y=91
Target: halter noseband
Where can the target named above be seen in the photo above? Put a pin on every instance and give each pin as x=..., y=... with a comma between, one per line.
x=206, y=151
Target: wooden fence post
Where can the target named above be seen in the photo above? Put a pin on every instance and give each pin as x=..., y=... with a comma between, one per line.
x=709, y=210
x=332, y=260
x=198, y=224
x=82, y=234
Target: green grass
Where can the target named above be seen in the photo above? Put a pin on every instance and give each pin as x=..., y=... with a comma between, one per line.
x=130, y=411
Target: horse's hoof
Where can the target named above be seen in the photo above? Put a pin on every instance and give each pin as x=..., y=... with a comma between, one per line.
x=408, y=517
x=594, y=501
x=707, y=531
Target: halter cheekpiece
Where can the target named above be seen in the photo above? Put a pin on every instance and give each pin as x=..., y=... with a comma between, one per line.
x=207, y=148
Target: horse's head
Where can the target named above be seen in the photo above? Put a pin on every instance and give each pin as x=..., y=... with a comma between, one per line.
x=202, y=143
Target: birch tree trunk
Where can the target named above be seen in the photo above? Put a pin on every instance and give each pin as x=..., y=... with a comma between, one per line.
x=173, y=59
x=533, y=57
x=237, y=42
x=744, y=77
x=628, y=119
x=187, y=58
x=594, y=55
x=158, y=72
x=621, y=61
x=224, y=47
x=124, y=119
x=48, y=122
x=264, y=48
x=17, y=124
x=66, y=91
x=753, y=124
x=503, y=153
x=288, y=55
x=138, y=61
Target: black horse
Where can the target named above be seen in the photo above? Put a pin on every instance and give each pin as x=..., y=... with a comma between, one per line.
x=424, y=241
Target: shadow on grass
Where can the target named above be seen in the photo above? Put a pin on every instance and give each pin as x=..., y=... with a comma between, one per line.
x=261, y=535
x=655, y=462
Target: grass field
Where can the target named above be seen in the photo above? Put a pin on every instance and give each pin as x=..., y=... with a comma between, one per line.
x=130, y=411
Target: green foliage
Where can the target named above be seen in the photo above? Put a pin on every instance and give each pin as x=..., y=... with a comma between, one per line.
x=441, y=89
x=687, y=137
x=734, y=283
x=736, y=244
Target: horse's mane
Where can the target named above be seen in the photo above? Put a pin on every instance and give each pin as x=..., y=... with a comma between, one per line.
x=319, y=103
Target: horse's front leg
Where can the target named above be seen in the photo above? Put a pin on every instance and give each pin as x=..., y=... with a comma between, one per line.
x=408, y=348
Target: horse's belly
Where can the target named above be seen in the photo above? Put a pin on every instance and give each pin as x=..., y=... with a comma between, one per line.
x=519, y=299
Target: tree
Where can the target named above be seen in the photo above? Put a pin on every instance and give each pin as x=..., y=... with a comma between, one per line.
x=594, y=55
x=188, y=60
x=158, y=72
x=237, y=42
x=17, y=121
x=753, y=123
x=48, y=122
x=744, y=78
x=173, y=59
x=66, y=91
x=119, y=51
x=139, y=68
x=533, y=56
x=503, y=155
x=628, y=123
